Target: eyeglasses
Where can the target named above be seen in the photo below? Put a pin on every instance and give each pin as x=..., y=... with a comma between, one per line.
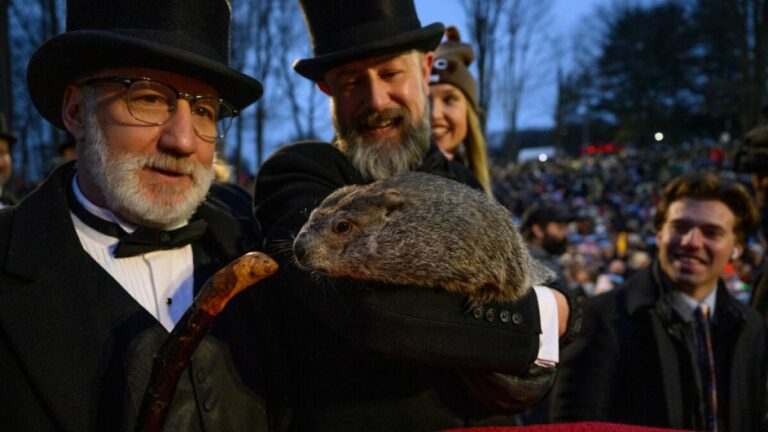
x=154, y=103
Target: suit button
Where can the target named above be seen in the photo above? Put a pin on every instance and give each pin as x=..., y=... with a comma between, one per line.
x=517, y=318
x=477, y=312
x=504, y=316
x=202, y=375
x=490, y=314
x=210, y=402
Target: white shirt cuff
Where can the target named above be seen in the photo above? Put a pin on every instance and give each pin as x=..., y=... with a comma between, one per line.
x=549, y=339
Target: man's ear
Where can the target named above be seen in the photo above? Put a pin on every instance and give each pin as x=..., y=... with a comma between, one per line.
x=538, y=231
x=324, y=87
x=426, y=66
x=72, y=113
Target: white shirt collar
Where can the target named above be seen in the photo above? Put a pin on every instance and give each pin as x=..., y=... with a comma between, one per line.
x=689, y=304
x=100, y=212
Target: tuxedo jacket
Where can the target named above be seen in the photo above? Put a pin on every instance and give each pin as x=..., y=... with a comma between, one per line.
x=363, y=356
x=76, y=349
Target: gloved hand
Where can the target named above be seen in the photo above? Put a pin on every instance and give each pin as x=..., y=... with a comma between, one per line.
x=510, y=394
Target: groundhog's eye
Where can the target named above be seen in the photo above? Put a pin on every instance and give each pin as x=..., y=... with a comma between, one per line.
x=341, y=227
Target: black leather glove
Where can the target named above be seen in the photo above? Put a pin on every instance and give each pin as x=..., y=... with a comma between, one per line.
x=510, y=394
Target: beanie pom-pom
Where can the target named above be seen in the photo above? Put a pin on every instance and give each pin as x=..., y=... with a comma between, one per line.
x=452, y=34
x=453, y=47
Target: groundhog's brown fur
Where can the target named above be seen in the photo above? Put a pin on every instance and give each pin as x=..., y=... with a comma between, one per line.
x=421, y=229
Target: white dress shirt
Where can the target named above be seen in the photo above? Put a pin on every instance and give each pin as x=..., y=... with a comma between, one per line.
x=161, y=281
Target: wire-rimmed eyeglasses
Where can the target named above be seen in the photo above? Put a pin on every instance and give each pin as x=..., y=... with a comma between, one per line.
x=153, y=102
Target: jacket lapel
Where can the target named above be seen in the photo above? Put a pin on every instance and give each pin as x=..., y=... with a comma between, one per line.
x=219, y=245
x=644, y=299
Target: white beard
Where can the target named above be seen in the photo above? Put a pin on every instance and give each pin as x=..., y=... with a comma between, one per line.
x=117, y=178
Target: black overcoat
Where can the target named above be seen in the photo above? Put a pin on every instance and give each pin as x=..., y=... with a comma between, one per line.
x=76, y=348
x=371, y=357
x=632, y=362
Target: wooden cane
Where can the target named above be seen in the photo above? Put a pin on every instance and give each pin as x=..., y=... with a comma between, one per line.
x=175, y=353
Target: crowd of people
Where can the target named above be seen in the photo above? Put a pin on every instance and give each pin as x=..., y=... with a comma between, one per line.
x=610, y=200
x=639, y=321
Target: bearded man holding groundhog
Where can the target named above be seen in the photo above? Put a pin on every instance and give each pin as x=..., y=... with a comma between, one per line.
x=370, y=356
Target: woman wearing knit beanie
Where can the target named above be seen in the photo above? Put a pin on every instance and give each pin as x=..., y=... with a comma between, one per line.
x=453, y=97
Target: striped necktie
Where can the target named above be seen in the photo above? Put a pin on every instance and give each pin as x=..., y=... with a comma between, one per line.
x=706, y=366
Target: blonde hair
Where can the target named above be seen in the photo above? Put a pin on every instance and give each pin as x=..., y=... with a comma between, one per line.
x=476, y=151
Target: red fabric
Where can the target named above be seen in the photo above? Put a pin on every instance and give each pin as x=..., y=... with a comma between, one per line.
x=569, y=427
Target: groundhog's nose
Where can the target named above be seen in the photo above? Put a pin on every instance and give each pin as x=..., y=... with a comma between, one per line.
x=299, y=251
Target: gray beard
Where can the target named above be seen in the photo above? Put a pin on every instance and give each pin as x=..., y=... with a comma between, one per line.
x=117, y=178
x=379, y=158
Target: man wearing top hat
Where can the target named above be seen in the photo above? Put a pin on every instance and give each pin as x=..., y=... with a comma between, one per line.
x=145, y=89
x=359, y=356
x=7, y=140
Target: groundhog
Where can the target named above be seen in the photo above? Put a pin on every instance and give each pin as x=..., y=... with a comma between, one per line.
x=420, y=229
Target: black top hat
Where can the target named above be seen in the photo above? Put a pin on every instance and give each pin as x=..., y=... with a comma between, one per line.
x=190, y=37
x=346, y=30
x=5, y=131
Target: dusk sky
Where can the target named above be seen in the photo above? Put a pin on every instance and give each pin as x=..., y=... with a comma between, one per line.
x=538, y=103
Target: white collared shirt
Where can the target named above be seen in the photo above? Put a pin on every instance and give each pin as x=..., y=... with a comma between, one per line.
x=687, y=305
x=161, y=281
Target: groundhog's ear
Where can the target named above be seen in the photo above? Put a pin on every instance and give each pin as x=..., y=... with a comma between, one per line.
x=392, y=200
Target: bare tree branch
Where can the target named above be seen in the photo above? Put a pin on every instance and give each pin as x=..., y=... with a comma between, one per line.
x=483, y=21
x=525, y=51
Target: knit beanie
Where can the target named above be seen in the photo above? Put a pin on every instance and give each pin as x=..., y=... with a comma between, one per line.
x=452, y=58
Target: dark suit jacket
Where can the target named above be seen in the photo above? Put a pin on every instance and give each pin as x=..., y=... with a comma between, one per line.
x=634, y=361
x=372, y=357
x=76, y=349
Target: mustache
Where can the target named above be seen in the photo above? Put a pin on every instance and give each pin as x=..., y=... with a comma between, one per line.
x=373, y=118
x=167, y=162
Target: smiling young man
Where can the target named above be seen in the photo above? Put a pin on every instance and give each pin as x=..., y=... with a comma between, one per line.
x=101, y=261
x=364, y=356
x=672, y=347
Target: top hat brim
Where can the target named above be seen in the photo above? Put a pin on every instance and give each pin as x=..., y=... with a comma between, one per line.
x=71, y=55
x=423, y=39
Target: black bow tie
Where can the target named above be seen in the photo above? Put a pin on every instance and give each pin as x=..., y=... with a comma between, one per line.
x=144, y=239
